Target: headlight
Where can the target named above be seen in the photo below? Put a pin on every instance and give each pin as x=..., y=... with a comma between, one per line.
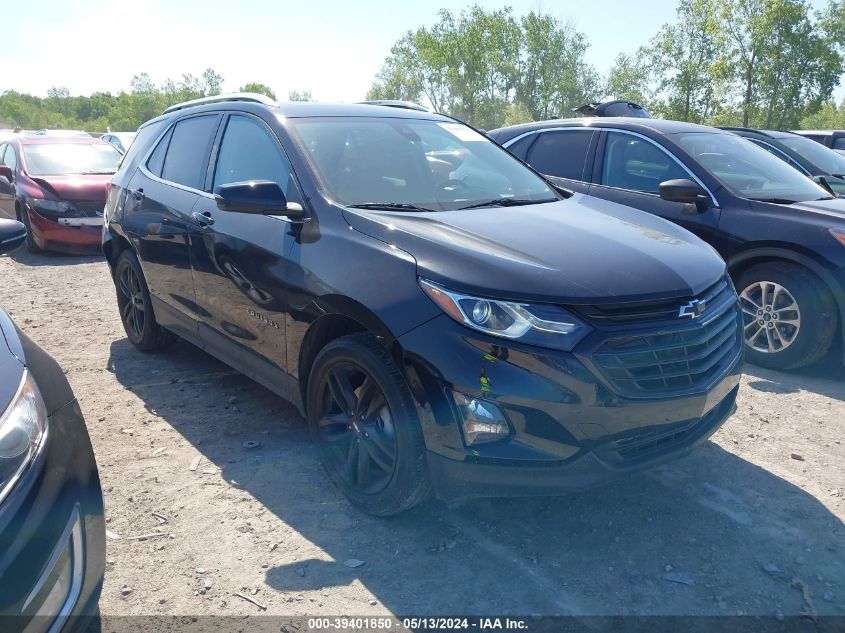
x=22, y=427
x=52, y=207
x=536, y=324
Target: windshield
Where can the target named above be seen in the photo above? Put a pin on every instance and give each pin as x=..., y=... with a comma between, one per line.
x=748, y=170
x=822, y=157
x=416, y=164
x=61, y=159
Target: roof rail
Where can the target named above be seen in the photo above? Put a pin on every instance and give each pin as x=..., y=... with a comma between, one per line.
x=249, y=97
x=395, y=103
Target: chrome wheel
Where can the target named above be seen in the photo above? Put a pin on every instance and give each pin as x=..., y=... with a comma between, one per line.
x=772, y=318
x=356, y=428
x=132, y=308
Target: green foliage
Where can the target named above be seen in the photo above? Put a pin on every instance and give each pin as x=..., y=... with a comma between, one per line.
x=103, y=111
x=295, y=95
x=259, y=88
x=487, y=67
x=828, y=117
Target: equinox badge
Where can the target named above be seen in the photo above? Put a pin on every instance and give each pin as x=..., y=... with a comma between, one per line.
x=693, y=309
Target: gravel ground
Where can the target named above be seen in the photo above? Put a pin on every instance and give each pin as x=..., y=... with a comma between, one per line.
x=736, y=528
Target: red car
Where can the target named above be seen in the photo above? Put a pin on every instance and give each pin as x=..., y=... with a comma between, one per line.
x=57, y=187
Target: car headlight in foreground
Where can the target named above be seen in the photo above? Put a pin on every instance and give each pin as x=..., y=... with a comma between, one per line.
x=23, y=426
x=536, y=324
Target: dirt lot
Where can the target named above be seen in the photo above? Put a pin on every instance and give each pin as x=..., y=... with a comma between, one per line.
x=734, y=528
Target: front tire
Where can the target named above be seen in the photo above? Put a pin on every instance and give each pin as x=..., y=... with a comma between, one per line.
x=789, y=315
x=31, y=245
x=363, y=420
x=136, y=310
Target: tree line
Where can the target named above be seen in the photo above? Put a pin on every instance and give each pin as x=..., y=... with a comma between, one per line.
x=763, y=63
x=124, y=111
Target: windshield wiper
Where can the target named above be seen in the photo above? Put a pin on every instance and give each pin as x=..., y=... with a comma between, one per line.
x=96, y=172
x=390, y=206
x=775, y=200
x=506, y=202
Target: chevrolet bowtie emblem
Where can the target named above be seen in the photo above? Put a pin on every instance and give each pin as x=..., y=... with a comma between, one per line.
x=693, y=309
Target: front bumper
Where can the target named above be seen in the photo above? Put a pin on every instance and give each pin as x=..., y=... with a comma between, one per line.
x=67, y=235
x=569, y=430
x=52, y=535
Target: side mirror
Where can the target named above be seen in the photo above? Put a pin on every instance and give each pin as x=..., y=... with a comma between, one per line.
x=262, y=197
x=687, y=191
x=823, y=182
x=6, y=172
x=12, y=235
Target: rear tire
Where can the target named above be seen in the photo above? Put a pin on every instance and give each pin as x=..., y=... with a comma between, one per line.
x=136, y=310
x=789, y=314
x=363, y=420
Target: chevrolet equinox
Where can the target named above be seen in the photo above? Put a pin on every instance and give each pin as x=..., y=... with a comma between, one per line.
x=446, y=321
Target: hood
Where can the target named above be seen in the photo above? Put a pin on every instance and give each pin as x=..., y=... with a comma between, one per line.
x=831, y=208
x=76, y=188
x=11, y=361
x=579, y=250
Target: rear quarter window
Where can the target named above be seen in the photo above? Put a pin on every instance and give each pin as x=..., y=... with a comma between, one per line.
x=146, y=136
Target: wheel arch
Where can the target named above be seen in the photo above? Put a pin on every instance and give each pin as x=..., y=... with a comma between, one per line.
x=341, y=316
x=740, y=262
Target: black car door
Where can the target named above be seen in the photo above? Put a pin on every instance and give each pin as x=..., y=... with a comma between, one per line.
x=157, y=218
x=629, y=168
x=239, y=258
x=564, y=155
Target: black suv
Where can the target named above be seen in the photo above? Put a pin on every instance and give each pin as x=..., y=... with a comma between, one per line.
x=782, y=235
x=442, y=317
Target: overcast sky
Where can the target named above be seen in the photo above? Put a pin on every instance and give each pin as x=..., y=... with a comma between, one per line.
x=333, y=48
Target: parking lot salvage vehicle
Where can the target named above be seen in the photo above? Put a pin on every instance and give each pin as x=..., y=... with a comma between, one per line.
x=618, y=107
x=444, y=319
x=834, y=139
x=57, y=187
x=823, y=165
x=782, y=235
x=52, y=530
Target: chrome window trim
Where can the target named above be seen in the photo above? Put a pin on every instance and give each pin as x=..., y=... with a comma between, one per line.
x=142, y=164
x=572, y=128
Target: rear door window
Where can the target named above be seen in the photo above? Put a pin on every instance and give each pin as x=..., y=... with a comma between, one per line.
x=561, y=153
x=187, y=154
x=636, y=164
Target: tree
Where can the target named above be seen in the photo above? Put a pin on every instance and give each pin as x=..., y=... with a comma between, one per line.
x=212, y=82
x=630, y=78
x=687, y=54
x=296, y=95
x=258, y=88
x=554, y=76
x=785, y=61
x=487, y=67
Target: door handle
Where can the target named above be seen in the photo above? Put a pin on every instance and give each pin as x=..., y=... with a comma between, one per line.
x=138, y=194
x=204, y=219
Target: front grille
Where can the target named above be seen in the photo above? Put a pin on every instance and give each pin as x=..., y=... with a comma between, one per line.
x=681, y=356
x=716, y=295
x=90, y=209
x=646, y=444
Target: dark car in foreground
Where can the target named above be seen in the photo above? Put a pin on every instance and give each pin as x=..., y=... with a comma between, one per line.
x=56, y=186
x=442, y=317
x=782, y=235
x=812, y=159
x=52, y=531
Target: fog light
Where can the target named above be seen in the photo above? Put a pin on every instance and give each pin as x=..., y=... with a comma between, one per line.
x=482, y=421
